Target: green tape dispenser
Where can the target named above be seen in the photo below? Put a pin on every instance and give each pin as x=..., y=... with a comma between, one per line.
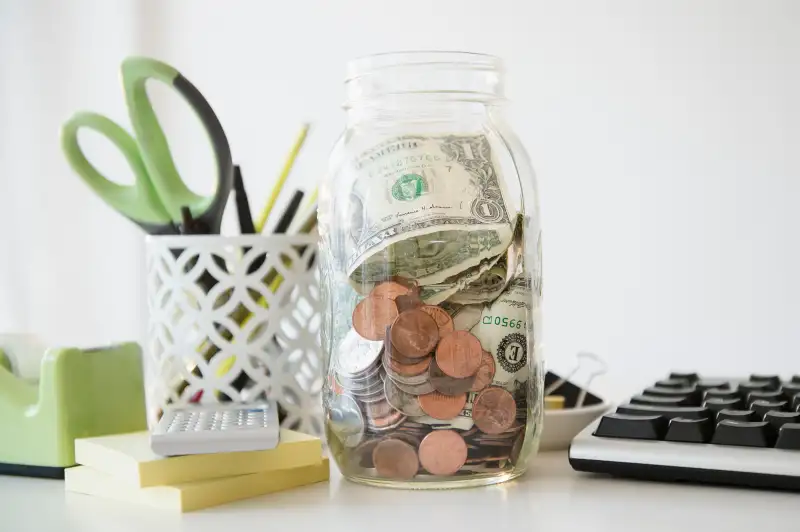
x=80, y=393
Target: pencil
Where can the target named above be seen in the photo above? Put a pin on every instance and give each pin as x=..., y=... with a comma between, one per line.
x=287, y=168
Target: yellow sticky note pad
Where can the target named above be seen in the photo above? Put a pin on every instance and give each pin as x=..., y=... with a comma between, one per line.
x=190, y=496
x=129, y=460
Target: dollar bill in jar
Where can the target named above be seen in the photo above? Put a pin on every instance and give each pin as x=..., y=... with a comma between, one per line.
x=426, y=208
x=503, y=331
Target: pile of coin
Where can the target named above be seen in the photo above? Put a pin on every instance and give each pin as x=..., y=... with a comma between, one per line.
x=413, y=391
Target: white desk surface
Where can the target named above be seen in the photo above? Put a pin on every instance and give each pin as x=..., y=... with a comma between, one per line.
x=550, y=497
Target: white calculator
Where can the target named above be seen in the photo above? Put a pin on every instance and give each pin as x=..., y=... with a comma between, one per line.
x=216, y=428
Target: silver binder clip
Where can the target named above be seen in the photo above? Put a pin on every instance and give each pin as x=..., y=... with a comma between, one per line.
x=588, y=366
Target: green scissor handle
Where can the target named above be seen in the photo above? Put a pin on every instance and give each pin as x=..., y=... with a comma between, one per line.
x=153, y=145
x=139, y=201
x=156, y=199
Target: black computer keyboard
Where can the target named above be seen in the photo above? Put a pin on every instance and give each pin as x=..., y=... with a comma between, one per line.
x=690, y=428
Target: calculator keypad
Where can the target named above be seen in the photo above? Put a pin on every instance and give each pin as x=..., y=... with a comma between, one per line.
x=216, y=428
x=241, y=418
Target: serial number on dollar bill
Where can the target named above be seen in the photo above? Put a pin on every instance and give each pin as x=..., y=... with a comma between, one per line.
x=503, y=321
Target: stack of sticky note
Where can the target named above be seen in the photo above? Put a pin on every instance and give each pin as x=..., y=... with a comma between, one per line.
x=123, y=467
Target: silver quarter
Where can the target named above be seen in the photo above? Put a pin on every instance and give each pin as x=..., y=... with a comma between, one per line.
x=355, y=354
x=414, y=380
x=415, y=389
x=346, y=420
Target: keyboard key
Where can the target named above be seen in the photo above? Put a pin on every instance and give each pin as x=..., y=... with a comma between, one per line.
x=631, y=427
x=689, y=393
x=745, y=388
x=744, y=433
x=789, y=389
x=670, y=392
x=796, y=379
x=789, y=437
x=736, y=415
x=762, y=406
x=689, y=377
x=791, y=401
x=720, y=394
x=771, y=395
x=672, y=383
x=778, y=419
x=717, y=405
x=645, y=399
x=690, y=430
x=668, y=412
x=774, y=380
x=795, y=403
x=712, y=385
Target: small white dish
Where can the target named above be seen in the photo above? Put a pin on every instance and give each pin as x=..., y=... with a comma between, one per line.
x=562, y=425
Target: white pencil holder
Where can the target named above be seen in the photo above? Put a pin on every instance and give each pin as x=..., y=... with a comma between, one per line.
x=235, y=319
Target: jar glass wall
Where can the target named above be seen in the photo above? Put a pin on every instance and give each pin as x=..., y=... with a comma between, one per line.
x=430, y=262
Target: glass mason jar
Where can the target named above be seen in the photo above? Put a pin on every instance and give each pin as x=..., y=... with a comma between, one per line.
x=430, y=266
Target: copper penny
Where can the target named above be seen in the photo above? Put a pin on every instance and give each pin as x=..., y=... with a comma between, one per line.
x=408, y=302
x=379, y=409
x=494, y=410
x=363, y=452
x=403, y=360
x=389, y=289
x=443, y=452
x=395, y=459
x=493, y=443
x=514, y=428
x=372, y=315
x=486, y=459
x=414, y=334
x=485, y=373
x=447, y=384
x=441, y=406
x=410, y=439
x=387, y=422
x=408, y=370
x=459, y=354
x=441, y=317
x=413, y=380
x=389, y=348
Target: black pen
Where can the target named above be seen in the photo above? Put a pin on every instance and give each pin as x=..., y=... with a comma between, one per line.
x=289, y=213
x=246, y=225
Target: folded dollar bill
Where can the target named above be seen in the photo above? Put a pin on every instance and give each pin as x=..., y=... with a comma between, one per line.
x=426, y=208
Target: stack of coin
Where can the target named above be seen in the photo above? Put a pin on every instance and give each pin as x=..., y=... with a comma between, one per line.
x=405, y=366
x=360, y=375
x=487, y=448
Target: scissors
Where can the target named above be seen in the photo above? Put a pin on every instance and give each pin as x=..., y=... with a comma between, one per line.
x=156, y=200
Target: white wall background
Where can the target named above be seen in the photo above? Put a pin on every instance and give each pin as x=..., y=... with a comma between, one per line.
x=665, y=136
